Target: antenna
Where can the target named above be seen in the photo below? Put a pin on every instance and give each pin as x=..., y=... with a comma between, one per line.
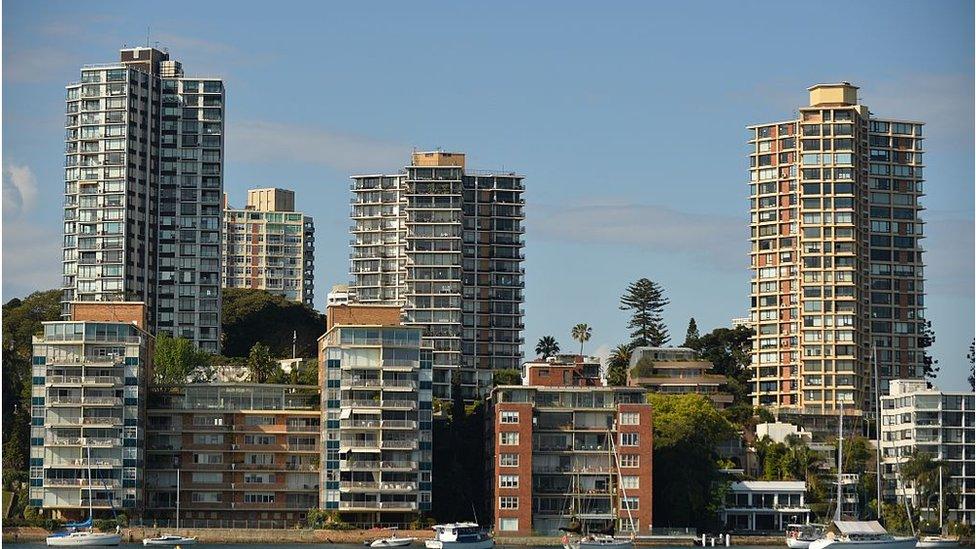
x=147, y=36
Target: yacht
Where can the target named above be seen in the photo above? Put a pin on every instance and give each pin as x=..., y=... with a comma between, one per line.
x=942, y=541
x=460, y=535
x=76, y=536
x=852, y=534
x=392, y=541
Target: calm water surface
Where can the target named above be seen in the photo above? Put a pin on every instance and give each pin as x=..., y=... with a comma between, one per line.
x=317, y=545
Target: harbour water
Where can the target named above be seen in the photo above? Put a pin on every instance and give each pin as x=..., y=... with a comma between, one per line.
x=37, y=545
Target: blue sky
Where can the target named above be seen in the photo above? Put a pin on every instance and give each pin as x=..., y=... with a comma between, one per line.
x=627, y=119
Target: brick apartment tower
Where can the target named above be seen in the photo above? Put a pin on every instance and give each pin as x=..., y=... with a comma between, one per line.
x=836, y=255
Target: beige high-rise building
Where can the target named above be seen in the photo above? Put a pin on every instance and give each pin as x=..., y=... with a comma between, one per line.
x=270, y=246
x=836, y=255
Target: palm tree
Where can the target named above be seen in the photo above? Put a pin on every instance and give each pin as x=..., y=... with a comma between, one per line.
x=547, y=347
x=582, y=332
x=617, y=364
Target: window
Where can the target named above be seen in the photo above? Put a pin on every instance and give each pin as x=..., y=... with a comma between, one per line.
x=510, y=417
x=630, y=482
x=508, y=524
x=508, y=502
x=508, y=460
x=629, y=460
x=508, y=481
x=629, y=418
x=508, y=438
x=631, y=503
x=629, y=439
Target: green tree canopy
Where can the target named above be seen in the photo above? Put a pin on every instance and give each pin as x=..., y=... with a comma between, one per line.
x=728, y=351
x=506, y=376
x=547, y=347
x=22, y=320
x=177, y=360
x=647, y=301
x=691, y=334
x=582, y=333
x=261, y=366
x=251, y=316
x=687, y=429
x=617, y=364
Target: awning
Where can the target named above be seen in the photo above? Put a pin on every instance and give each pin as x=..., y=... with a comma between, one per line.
x=848, y=527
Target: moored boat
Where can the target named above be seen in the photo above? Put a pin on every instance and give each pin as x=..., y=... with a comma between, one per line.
x=84, y=539
x=853, y=534
x=800, y=536
x=392, y=541
x=170, y=539
x=460, y=535
x=937, y=542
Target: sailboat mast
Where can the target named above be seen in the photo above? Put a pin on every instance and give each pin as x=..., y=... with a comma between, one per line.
x=91, y=496
x=623, y=491
x=877, y=423
x=941, y=526
x=840, y=462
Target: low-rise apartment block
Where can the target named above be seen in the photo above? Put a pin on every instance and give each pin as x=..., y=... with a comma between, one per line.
x=247, y=455
x=269, y=246
x=765, y=505
x=562, y=453
x=583, y=371
x=87, y=412
x=377, y=407
x=676, y=370
x=939, y=424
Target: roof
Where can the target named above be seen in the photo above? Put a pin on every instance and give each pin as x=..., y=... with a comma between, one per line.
x=770, y=485
x=859, y=527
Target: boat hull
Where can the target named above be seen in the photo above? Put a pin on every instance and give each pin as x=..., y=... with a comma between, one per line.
x=86, y=540
x=937, y=543
x=794, y=543
x=392, y=542
x=612, y=544
x=438, y=544
x=169, y=541
x=895, y=543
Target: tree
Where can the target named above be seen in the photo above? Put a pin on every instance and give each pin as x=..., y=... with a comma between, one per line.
x=177, y=360
x=646, y=300
x=691, y=334
x=581, y=332
x=506, y=376
x=251, y=316
x=926, y=338
x=260, y=365
x=617, y=365
x=547, y=347
x=728, y=351
x=22, y=320
x=687, y=428
x=972, y=365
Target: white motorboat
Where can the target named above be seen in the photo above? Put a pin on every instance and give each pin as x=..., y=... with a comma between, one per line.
x=460, y=535
x=392, y=541
x=170, y=539
x=84, y=539
x=852, y=534
x=800, y=536
x=602, y=541
x=937, y=542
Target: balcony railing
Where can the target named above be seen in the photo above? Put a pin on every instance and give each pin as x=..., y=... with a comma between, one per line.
x=352, y=505
x=379, y=465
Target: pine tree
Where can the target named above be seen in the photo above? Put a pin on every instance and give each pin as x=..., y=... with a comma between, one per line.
x=646, y=299
x=926, y=338
x=691, y=335
x=972, y=365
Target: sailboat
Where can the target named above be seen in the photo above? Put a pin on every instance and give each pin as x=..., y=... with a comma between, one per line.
x=855, y=534
x=604, y=539
x=89, y=537
x=942, y=540
x=172, y=539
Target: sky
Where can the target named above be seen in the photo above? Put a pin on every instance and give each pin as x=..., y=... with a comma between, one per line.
x=627, y=120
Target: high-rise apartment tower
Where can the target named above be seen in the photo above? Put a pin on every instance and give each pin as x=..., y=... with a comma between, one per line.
x=445, y=243
x=270, y=246
x=143, y=184
x=836, y=255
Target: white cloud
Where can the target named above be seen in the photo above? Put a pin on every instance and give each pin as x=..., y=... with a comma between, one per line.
x=179, y=43
x=721, y=240
x=19, y=189
x=271, y=142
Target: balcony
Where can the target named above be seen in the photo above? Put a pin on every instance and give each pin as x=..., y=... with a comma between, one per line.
x=361, y=465
x=362, y=486
x=399, y=444
x=368, y=505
